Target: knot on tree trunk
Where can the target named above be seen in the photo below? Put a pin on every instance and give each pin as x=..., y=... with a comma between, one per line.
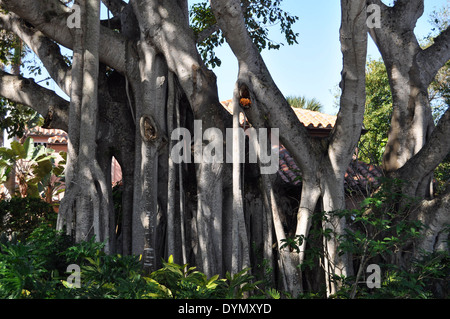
x=150, y=131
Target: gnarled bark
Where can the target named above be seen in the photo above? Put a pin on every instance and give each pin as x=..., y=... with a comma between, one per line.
x=410, y=70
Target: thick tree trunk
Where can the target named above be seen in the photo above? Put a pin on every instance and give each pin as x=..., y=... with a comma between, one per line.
x=94, y=203
x=415, y=147
x=240, y=243
x=335, y=263
x=308, y=202
x=405, y=61
x=412, y=121
x=161, y=27
x=66, y=216
x=88, y=200
x=345, y=136
x=151, y=136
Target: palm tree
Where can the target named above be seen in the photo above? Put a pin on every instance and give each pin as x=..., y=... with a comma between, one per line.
x=304, y=103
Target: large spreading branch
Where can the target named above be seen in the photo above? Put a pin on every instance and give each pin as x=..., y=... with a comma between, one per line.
x=46, y=102
x=47, y=50
x=408, y=12
x=115, y=6
x=429, y=157
x=409, y=76
x=50, y=17
x=347, y=131
x=433, y=58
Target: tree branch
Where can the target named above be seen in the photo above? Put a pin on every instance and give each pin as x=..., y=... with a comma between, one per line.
x=203, y=35
x=46, y=102
x=347, y=130
x=435, y=215
x=408, y=12
x=47, y=51
x=252, y=70
x=429, y=157
x=435, y=56
x=115, y=6
x=50, y=17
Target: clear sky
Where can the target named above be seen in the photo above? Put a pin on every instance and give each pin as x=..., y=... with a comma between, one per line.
x=313, y=66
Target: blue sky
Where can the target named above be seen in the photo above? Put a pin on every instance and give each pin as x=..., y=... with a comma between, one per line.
x=313, y=66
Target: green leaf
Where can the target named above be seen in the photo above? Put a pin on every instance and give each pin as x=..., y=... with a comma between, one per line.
x=28, y=147
x=19, y=150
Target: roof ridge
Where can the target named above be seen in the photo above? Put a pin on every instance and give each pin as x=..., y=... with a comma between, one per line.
x=309, y=118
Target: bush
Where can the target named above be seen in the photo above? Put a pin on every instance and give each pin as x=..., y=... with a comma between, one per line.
x=36, y=268
x=23, y=215
x=32, y=268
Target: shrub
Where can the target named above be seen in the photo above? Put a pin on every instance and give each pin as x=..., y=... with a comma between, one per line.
x=23, y=215
x=36, y=268
x=31, y=268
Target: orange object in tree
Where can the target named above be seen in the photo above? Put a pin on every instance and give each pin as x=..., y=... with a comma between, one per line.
x=245, y=102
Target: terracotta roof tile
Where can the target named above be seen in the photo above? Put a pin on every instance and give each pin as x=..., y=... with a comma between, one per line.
x=58, y=140
x=39, y=131
x=359, y=176
x=310, y=119
x=55, y=136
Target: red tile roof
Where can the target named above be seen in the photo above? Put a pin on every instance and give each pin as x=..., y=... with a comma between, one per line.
x=55, y=136
x=359, y=176
x=310, y=119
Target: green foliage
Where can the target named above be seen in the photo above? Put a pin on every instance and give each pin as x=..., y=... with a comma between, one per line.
x=31, y=269
x=202, y=18
x=303, y=103
x=382, y=228
x=377, y=117
x=35, y=168
x=36, y=268
x=238, y=285
x=20, y=273
x=184, y=282
x=259, y=16
x=375, y=233
x=442, y=175
x=428, y=278
x=16, y=117
x=382, y=225
x=21, y=216
x=292, y=243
